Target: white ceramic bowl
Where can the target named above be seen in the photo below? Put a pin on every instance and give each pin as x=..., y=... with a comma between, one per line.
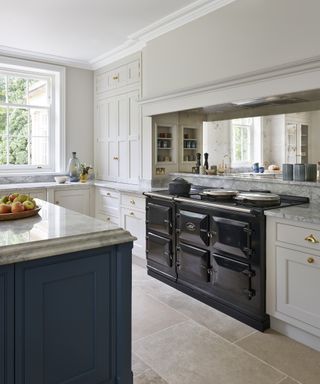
x=61, y=179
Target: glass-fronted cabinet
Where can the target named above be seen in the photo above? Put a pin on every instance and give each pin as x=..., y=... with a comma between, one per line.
x=165, y=144
x=190, y=145
x=297, y=143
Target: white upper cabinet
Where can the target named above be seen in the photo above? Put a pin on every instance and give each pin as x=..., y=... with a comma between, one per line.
x=118, y=77
x=118, y=124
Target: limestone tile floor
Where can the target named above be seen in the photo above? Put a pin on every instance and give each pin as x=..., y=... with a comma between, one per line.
x=178, y=340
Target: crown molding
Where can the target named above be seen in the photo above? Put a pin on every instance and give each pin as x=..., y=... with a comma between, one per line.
x=37, y=56
x=128, y=48
x=138, y=40
x=279, y=71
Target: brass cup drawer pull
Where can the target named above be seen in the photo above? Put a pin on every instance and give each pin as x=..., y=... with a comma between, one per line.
x=312, y=239
x=310, y=260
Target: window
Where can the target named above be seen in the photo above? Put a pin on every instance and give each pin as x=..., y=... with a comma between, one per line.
x=31, y=123
x=246, y=141
x=241, y=135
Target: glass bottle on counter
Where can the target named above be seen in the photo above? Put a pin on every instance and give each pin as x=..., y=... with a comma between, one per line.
x=74, y=168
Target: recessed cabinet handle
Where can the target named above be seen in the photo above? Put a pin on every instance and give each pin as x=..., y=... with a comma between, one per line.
x=312, y=239
x=310, y=260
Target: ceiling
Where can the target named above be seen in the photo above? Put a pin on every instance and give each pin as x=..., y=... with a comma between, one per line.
x=85, y=31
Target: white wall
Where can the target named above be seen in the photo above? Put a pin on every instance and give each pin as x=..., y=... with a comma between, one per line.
x=244, y=36
x=314, y=139
x=79, y=114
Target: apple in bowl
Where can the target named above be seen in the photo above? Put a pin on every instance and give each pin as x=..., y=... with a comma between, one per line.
x=5, y=208
x=28, y=205
x=17, y=207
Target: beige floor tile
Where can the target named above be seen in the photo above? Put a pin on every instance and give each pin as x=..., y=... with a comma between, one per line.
x=296, y=360
x=190, y=353
x=216, y=321
x=138, y=365
x=288, y=380
x=150, y=316
x=149, y=377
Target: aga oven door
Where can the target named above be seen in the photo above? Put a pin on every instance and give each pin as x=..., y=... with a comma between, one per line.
x=231, y=237
x=193, y=266
x=233, y=282
x=159, y=251
x=159, y=218
x=193, y=228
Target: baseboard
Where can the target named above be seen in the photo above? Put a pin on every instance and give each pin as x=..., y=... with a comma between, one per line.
x=294, y=333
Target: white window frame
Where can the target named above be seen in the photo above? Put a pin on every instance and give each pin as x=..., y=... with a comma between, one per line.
x=255, y=150
x=57, y=135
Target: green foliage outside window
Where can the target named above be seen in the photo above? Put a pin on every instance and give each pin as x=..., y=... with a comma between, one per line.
x=15, y=120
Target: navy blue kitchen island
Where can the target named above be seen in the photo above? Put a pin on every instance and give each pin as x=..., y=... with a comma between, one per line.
x=65, y=300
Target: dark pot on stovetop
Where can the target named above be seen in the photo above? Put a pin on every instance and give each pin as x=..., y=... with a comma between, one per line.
x=179, y=186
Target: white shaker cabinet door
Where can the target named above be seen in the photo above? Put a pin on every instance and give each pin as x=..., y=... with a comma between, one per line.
x=298, y=285
x=134, y=222
x=117, y=142
x=101, y=132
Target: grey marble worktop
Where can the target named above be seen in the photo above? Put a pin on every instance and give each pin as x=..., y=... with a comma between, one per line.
x=121, y=187
x=55, y=231
x=308, y=213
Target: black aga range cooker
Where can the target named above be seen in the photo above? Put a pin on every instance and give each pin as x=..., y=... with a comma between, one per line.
x=212, y=246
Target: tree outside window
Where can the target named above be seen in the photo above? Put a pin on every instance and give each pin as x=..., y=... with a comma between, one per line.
x=24, y=120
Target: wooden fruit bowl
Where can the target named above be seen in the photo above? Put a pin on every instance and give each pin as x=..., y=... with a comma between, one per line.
x=19, y=215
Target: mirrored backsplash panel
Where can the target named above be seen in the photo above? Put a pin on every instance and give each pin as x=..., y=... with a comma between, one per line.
x=251, y=141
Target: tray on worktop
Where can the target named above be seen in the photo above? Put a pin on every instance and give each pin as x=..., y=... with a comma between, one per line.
x=19, y=215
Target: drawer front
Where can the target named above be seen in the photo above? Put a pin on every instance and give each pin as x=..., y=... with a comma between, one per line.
x=108, y=218
x=107, y=202
x=298, y=285
x=301, y=236
x=133, y=201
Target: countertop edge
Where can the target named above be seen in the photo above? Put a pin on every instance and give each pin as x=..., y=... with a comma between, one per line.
x=63, y=245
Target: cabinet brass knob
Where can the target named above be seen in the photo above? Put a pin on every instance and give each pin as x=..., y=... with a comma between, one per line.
x=310, y=260
x=312, y=239
x=132, y=213
x=115, y=158
x=132, y=202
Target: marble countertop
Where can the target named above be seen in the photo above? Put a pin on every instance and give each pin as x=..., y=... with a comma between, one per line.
x=55, y=231
x=122, y=187
x=308, y=213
